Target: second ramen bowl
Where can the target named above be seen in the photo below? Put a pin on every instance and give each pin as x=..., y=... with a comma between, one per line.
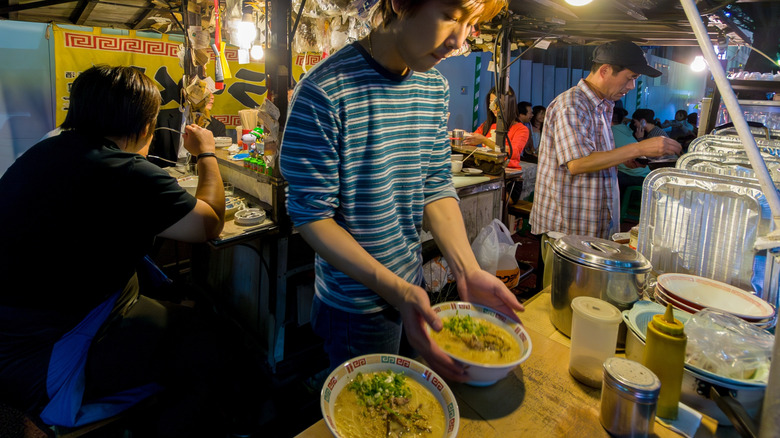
x=482, y=373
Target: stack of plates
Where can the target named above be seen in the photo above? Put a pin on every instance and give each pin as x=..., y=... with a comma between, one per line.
x=223, y=142
x=691, y=293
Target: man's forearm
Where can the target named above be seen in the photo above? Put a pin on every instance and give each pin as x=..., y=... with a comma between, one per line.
x=601, y=160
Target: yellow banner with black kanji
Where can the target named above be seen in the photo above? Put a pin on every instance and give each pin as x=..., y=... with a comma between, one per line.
x=76, y=51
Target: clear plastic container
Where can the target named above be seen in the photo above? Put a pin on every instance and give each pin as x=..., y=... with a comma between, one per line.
x=594, y=333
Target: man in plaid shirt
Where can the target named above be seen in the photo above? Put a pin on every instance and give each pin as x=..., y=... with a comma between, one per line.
x=576, y=184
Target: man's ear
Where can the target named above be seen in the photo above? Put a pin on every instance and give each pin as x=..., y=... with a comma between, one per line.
x=605, y=70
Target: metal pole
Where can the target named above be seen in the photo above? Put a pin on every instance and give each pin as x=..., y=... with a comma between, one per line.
x=770, y=415
x=502, y=87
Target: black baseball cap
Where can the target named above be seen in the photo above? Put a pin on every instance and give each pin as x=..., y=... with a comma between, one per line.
x=625, y=54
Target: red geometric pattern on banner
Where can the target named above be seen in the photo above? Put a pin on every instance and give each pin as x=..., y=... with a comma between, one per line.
x=229, y=120
x=309, y=58
x=101, y=42
x=230, y=55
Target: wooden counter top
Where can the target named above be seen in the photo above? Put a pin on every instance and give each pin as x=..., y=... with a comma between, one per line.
x=538, y=399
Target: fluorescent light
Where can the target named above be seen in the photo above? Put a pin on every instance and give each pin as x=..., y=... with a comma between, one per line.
x=578, y=2
x=698, y=64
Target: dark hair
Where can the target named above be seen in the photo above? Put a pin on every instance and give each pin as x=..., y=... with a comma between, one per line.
x=693, y=119
x=683, y=112
x=112, y=102
x=645, y=114
x=387, y=15
x=522, y=107
x=535, y=112
x=615, y=68
x=618, y=114
x=507, y=105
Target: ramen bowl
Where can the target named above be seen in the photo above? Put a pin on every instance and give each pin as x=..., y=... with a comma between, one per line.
x=340, y=378
x=482, y=373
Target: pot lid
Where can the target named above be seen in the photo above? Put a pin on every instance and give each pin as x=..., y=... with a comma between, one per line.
x=601, y=254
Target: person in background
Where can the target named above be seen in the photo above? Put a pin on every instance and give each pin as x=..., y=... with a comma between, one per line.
x=645, y=126
x=576, y=184
x=83, y=333
x=693, y=120
x=679, y=127
x=537, y=123
x=524, y=115
x=378, y=163
x=623, y=135
x=517, y=134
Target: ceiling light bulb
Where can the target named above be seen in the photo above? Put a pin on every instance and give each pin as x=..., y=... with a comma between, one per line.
x=256, y=52
x=247, y=31
x=578, y=2
x=698, y=64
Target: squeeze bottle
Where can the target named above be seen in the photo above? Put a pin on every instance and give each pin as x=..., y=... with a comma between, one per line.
x=665, y=356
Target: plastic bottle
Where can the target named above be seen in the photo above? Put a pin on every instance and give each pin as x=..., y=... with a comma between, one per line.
x=665, y=356
x=260, y=164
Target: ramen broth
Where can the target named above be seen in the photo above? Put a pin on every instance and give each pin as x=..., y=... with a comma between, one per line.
x=356, y=420
x=477, y=340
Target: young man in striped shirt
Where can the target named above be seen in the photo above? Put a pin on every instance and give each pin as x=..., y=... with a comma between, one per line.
x=366, y=157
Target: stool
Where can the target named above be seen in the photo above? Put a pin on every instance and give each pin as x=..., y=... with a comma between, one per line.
x=627, y=210
x=521, y=209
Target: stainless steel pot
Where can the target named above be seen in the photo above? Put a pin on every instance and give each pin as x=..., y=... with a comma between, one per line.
x=593, y=267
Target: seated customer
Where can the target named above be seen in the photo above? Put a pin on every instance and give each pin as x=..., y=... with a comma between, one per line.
x=627, y=176
x=78, y=213
x=679, y=127
x=517, y=135
x=644, y=125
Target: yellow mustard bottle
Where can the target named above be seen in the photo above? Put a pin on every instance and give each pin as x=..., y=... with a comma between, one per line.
x=665, y=356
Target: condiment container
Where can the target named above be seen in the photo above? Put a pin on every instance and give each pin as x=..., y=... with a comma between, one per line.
x=629, y=394
x=594, y=334
x=665, y=356
x=633, y=237
x=457, y=137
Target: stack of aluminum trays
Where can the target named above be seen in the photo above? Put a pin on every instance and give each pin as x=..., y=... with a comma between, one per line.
x=706, y=225
x=724, y=145
x=770, y=134
x=734, y=164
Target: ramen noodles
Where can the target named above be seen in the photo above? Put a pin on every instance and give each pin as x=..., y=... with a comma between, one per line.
x=387, y=404
x=477, y=340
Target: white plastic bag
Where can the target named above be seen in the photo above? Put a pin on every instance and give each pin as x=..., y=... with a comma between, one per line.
x=495, y=252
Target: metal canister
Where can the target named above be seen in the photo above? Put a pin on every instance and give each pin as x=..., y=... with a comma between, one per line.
x=457, y=137
x=629, y=395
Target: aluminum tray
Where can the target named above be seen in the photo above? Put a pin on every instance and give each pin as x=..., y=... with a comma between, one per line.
x=703, y=224
x=721, y=144
x=769, y=134
x=735, y=164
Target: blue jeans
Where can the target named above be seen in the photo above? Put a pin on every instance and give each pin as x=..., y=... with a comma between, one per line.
x=348, y=335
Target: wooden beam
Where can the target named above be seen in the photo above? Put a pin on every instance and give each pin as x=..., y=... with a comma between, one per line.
x=143, y=17
x=15, y=7
x=81, y=12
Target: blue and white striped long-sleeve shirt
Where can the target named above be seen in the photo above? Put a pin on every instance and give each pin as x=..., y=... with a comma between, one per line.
x=369, y=149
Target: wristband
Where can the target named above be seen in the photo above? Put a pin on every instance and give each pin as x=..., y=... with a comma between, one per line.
x=207, y=154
